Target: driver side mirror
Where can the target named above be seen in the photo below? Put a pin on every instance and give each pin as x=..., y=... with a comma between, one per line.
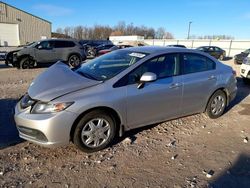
x=146, y=77
x=39, y=47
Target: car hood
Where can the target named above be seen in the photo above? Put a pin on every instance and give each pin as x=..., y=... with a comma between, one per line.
x=241, y=55
x=56, y=81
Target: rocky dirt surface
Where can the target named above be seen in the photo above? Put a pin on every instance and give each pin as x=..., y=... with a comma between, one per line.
x=193, y=151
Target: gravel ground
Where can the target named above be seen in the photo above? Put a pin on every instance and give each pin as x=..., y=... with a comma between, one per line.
x=193, y=151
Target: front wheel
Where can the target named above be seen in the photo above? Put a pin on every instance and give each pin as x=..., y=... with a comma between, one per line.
x=95, y=131
x=26, y=63
x=221, y=58
x=216, y=105
x=74, y=61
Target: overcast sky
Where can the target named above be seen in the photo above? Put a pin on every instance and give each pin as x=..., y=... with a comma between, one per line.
x=208, y=17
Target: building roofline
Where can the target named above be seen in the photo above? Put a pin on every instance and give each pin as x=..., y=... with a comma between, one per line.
x=26, y=12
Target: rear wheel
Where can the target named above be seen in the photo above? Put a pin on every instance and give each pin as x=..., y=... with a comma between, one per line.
x=95, y=131
x=216, y=105
x=26, y=63
x=221, y=57
x=74, y=60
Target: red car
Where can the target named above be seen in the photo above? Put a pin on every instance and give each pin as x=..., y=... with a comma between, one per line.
x=101, y=52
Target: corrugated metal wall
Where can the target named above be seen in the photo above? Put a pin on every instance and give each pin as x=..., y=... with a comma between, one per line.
x=31, y=28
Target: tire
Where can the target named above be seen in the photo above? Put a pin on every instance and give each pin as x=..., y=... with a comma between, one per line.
x=26, y=63
x=221, y=58
x=74, y=61
x=87, y=132
x=215, y=110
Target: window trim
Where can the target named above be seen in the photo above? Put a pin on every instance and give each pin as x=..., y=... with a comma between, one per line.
x=179, y=64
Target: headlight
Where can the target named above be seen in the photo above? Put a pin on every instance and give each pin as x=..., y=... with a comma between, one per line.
x=26, y=101
x=46, y=108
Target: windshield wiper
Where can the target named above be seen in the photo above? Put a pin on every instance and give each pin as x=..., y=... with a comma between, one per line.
x=86, y=75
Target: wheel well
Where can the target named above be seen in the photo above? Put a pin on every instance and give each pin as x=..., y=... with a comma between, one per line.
x=224, y=91
x=24, y=56
x=105, y=109
x=75, y=54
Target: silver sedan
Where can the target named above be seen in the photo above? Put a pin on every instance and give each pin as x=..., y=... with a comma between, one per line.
x=119, y=91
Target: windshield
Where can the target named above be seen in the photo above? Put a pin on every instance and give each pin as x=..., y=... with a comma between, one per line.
x=109, y=65
x=32, y=44
x=247, y=51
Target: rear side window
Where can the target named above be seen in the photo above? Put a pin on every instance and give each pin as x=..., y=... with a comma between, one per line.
x=197, y=63
x=64, y=44
x=217, y=49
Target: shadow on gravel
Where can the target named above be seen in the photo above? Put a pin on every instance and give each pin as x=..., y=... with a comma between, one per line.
x=8, y=131
x=131, y=133
x=3, y=66
x=227, y=58
x=237, y=175
x=242, y=93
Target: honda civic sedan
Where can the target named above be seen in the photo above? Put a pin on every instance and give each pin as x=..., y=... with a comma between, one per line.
x=120, y=91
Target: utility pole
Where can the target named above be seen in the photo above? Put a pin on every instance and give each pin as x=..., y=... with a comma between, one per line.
x=189, y=27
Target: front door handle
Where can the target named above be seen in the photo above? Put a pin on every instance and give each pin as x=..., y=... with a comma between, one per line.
x=175, y=85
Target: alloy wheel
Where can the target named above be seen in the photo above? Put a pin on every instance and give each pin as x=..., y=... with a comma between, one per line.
x=95, y=132
x=217, y=105
x=74, y=61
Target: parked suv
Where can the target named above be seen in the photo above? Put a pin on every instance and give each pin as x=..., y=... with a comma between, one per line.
x=50, y=51
x=119, y=91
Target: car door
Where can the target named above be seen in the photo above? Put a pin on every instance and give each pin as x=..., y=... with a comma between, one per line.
x=212, y=51
x=218, y=52
x=45, y=52
x=156, y=101
x=199, y=80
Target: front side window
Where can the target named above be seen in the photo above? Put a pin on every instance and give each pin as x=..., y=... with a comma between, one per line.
x=45, y=44
x=163, y=66
x=196, y=63
x=109, y=65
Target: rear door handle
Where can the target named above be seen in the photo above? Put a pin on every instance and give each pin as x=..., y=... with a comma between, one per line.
x=175, y=85
x=212, y=77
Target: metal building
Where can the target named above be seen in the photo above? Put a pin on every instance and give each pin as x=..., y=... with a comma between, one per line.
x=18, y=27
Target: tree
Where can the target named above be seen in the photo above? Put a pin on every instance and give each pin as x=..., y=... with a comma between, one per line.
x=104, y=31
x=160, y=33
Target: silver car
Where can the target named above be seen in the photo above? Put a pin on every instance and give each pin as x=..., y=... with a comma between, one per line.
x=119, y=91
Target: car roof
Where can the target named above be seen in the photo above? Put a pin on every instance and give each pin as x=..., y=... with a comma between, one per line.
x=159, y=49
x=61, y=39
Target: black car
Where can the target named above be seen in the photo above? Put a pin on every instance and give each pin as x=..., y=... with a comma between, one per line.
x=90, y=46
x=177, y=45
x=238, y=59
x=214, y=51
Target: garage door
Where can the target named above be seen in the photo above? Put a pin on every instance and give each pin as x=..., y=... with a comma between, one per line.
x=9, y=35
